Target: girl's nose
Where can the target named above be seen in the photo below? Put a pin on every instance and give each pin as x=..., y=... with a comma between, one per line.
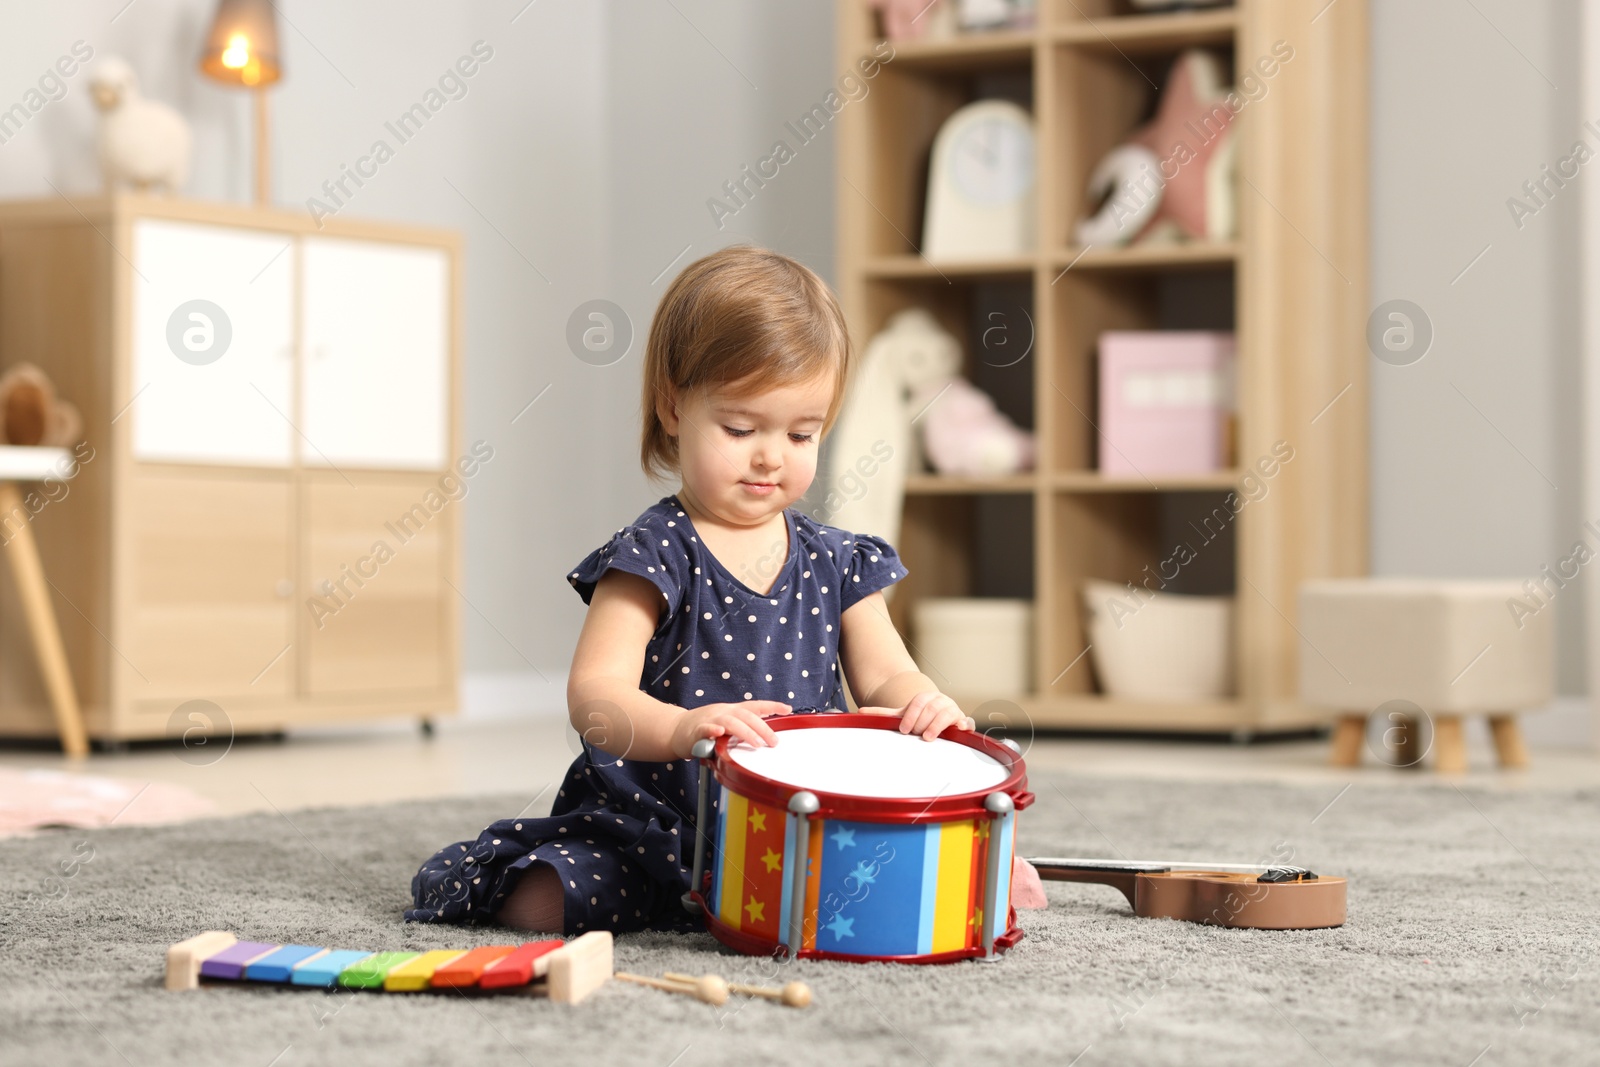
x=767, y=455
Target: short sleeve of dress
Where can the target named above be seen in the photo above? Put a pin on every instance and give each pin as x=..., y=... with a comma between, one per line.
x=873, y=564
x=639, y=549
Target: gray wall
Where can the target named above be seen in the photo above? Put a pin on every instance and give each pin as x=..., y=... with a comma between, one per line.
x=1476, y=449
x=579, y=163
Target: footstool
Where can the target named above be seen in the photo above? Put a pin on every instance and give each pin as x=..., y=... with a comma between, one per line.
x=1452, y=648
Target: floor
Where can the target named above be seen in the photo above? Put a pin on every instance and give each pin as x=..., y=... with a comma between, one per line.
x=394, y=761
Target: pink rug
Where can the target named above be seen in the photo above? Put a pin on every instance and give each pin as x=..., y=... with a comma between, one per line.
x=33, y=799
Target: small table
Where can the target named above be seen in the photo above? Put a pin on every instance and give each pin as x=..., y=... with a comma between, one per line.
x=20, y=464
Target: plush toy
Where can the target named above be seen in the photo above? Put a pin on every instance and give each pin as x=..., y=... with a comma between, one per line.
x=1172, y=180
x=905, y=20
x=32, y=414
x=143, y=143
x=873, y=447
x=912, y=370
x=964, y=433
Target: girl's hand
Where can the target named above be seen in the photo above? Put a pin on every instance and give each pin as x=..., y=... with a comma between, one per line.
x=742, y=720
x=928, y=714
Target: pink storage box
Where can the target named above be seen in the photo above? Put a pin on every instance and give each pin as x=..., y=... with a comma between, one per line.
x=1165, y=400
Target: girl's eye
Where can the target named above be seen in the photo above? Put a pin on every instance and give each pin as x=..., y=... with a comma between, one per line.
x=798, y=438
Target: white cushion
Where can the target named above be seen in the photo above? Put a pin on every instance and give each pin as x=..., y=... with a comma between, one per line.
x=1448, y=646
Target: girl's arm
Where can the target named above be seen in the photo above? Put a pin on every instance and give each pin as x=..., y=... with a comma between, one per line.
x=604, y=701
x=877, y=666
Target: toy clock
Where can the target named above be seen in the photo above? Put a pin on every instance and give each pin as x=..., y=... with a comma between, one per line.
x=981, y=184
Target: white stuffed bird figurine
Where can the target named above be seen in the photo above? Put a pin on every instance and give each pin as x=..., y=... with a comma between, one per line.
x=143, y=143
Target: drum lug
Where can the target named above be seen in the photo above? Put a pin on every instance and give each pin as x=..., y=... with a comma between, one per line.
x=802, y=806
x=702, y=752
x=1003, y=809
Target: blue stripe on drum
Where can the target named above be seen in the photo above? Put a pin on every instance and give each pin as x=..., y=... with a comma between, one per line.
x=1000, y=837
x=930, y=887
x=792, y=854
x=870, y=888
x=714, y=854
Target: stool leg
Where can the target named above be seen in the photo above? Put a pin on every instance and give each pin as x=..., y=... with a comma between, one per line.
x=35, y=594
x=1508, y=744
x=1449, y=745
x=1349, y=733
x=1408, y=749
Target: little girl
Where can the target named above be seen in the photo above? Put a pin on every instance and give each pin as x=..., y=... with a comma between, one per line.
x=718, y=607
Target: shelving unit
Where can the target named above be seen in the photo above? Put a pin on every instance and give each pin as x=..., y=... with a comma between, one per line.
x=1293, y=287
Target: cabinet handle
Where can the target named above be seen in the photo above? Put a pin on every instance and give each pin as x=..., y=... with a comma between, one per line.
x=285, y=588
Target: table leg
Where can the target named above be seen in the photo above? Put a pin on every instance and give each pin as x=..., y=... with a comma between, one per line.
x=35, y=594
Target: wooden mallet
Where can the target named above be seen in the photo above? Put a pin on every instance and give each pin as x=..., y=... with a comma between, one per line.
x=795, y=994
x=711, y=989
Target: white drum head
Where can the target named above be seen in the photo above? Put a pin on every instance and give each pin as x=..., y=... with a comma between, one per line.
x=865, y=762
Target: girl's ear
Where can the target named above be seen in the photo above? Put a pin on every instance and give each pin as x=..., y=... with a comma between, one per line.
x=667, y=410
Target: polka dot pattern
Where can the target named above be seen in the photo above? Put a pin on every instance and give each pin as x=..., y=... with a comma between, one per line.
x=765, y=630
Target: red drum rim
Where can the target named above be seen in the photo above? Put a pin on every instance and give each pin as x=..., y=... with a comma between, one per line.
x=764, y=790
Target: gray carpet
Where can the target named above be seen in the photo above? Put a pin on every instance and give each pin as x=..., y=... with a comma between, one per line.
x=1471, y=941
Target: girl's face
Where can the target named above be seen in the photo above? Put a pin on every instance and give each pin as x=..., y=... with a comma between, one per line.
x=745, y=459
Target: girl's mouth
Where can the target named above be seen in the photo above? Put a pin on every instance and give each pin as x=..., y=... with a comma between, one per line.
x=760, y=488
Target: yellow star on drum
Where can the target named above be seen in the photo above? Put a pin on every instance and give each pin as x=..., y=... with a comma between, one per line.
x=755, y=909
x=773, y=860
x=758, y=821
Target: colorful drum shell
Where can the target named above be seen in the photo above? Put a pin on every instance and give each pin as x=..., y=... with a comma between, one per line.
x=900, y=879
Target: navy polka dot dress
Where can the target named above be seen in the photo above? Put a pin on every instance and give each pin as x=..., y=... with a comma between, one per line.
x=621, y=832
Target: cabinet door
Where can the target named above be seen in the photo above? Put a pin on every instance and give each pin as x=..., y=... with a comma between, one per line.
x=211, y=592
x=213, y=344
x=377, y=611
x=375, y=391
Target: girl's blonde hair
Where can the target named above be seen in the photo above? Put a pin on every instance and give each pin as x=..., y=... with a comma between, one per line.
x=743, y=318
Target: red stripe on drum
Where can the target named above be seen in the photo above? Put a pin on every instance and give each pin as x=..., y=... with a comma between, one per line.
x=763, y=861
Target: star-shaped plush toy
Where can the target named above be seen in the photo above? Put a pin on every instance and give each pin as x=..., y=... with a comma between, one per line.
x=1173, y=178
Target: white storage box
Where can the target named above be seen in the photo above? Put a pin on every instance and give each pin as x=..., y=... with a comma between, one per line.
x=978, y=645
x=1160, y=646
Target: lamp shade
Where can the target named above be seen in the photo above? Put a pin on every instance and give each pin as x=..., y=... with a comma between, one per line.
x=242, y=47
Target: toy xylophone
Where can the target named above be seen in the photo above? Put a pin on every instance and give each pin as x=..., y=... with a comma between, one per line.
x=570, y=970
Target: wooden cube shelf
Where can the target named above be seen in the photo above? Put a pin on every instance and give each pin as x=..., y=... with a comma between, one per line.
x=1292, y=285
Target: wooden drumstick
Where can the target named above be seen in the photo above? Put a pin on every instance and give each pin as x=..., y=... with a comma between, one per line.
x=795, y=994
x=710, y=989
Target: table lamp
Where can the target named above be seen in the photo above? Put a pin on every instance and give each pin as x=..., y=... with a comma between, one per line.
x=242, y=49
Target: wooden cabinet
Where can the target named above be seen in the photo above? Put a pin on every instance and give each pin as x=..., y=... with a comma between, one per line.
x=375, y=566
x=1293, y=286
x=267, y=402
x=211, y=556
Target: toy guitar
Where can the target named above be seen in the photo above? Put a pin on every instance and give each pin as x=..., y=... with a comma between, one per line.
x=1261, y=897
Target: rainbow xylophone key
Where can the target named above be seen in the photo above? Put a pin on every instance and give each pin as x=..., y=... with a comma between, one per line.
x=571, y=969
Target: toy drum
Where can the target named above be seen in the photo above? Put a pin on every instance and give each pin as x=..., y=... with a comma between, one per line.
x=850, y=840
